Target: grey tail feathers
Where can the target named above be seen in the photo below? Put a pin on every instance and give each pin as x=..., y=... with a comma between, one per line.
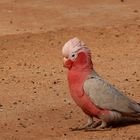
x=135, y=107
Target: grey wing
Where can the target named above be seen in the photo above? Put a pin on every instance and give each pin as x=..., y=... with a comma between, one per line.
x=106, y=96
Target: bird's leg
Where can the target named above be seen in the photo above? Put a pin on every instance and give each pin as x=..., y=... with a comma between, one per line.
x=102, y=127
x=86, y=126
x=97, y=122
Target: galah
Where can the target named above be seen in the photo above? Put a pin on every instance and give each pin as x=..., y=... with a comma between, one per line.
x=96, y=97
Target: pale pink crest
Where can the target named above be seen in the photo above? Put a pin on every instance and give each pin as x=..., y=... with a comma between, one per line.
x=71, y=46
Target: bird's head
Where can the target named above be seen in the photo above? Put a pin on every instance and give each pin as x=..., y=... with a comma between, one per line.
x=76, y=55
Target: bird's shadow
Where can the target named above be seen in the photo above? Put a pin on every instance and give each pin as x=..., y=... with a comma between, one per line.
x=124, y=123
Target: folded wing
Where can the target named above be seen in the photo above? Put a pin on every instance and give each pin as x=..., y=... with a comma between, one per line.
x=106, y=96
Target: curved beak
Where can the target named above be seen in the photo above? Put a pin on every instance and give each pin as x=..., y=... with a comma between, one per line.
x=67, y=63
x=64, y=60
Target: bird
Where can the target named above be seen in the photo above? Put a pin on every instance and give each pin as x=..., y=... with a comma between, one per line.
x=102, y=102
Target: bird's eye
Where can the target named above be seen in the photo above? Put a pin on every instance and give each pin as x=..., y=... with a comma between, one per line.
x=73, y=55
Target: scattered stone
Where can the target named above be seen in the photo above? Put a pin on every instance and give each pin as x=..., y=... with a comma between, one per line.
x=52, y=128
x=101, y=33
x=38, y=72
x=126, y=79
x=117, y=35
x=15, y=103
x=135, y=11
x=5, y=124
x=32, y=82
x=11, y=21
x=59, y=42
x=25, y=64
x=134, y=73
x=69, y=103
x=22, y=125
x=28, y=37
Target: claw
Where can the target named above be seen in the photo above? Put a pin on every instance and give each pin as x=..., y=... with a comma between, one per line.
x=92, y=126
x=96, y=124
x=81, y=128
x=87, y=127
x=101, y=127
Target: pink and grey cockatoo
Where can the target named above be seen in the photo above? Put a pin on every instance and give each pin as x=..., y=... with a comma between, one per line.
x=96, y=97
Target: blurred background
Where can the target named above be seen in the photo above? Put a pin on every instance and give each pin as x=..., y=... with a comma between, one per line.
x=35, y=103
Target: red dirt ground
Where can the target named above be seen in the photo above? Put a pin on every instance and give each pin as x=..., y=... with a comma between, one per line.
x=35, y=103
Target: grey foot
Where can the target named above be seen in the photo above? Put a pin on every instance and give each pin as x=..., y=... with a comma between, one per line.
x=81, y=127
x=101, y=127
x=87, y=126
x=96, y=124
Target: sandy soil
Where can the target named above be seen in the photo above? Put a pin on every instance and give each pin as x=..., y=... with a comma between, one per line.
x=35, y=103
